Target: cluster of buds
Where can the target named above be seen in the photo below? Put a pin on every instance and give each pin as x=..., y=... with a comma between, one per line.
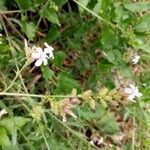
x=114, y=96
x=87, y=96
x=64, y=107
x=120, y=95
x=53, y=6
x=37, y=112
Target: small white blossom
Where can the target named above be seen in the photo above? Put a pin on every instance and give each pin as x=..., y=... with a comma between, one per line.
x=49, y=50
x=132, y=92
x=42, y=56
x=135, y=59
x=3, y=112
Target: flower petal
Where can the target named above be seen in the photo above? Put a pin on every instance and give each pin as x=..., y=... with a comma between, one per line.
x=38, y=62
x=131, y=97
x=128, y=90
x=36, y=55
x=39, y=50
x=45, y=61
x=48, y=46
x=47, y=50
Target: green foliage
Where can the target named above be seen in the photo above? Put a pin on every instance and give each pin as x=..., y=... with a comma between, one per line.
x=29, y=29
x=50, y=13
x=143, y=24
x=4, y=140
x=66, y=83
x=47, y=73
x=24, y=5
x=59, y=58
x=14, y=123
x=94, y=42
x=137, y=7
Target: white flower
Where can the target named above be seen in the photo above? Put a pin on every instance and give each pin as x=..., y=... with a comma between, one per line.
x=3, y=112
x=49, y=50
x=135, y=59
x=132, y=92
x=42, y=56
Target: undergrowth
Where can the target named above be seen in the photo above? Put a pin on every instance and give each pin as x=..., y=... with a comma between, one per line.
x=74, y=74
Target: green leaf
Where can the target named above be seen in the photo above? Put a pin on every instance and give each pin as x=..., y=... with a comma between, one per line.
x=53, y=34
x=138, y=6
x=114, y=56
x=105, y=5
x=50, y=14
x=47, y=73
x=59, y=58
x=24, y=4
x=99, y=118
x=143, y=24
x=37, y=1
x=29, y=29
x=97, y=7
x=84, y=3
x=2, y=6
x=16, y=122
x=60, y=3
x=66, y=83
x=109, y=38
x=108, y=125
x=125, y=70
x=4, y=139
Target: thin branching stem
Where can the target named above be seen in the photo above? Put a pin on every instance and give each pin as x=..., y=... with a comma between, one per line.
x=37, y=96
x=10, y=11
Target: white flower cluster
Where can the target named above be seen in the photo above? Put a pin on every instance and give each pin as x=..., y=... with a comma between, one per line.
x=40, y=55
x=132, y=92
x=135, y=59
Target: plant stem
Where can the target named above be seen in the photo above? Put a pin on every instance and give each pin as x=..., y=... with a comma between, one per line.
x=17, y=74
x=10, y=12
x=38, y=96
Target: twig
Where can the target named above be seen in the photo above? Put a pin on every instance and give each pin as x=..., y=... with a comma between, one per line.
x=13, y=27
